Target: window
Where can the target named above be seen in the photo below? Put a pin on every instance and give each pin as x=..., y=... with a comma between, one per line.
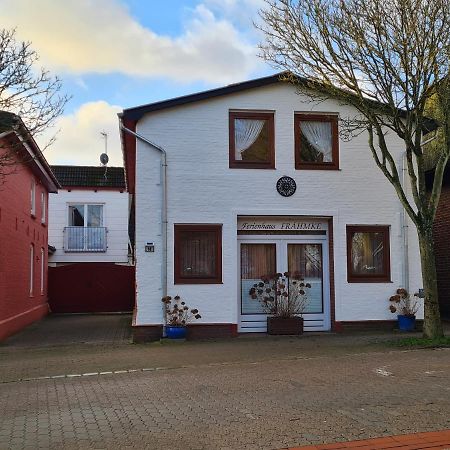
x=85, y=215
x=85, y=232
x=198, y=254
x=316, y=141
x=33, y=197
x=31, y=269
x=42, y=271
x=252, y=140
x=368, y=257
x=43, y=207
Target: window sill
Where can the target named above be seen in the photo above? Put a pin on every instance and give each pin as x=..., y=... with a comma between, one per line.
x=317, y=167
x=252, y=166
x=368, y=280
x=197, y=282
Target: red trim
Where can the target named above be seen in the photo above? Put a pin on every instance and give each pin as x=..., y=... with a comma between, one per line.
x=129, y=154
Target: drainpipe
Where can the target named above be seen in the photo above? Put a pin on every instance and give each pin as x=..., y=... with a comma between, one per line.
x=163, y=175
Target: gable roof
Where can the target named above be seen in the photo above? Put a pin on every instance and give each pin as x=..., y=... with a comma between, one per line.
x=90, y=176
x=26, y=149
x=137, y=112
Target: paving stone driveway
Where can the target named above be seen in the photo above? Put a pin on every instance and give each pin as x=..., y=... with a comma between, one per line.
x=252, y=393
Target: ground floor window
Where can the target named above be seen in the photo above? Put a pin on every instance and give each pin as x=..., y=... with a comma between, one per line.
x=198, y=254
x=368, y=258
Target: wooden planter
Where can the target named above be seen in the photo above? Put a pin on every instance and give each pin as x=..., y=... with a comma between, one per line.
x=282, y=326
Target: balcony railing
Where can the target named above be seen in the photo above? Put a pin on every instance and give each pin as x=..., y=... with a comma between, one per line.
x=85, y=239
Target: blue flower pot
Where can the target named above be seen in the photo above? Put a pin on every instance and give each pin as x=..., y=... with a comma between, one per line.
x=175, y=332
x=406, y=323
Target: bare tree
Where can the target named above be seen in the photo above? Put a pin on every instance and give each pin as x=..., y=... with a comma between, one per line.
x=386, y=58
x=30, y=93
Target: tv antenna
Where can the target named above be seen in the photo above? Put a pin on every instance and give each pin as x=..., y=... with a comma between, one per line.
x=104, y=158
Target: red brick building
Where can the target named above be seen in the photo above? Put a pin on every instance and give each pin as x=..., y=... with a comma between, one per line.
x=23, y=228
x=441, y=232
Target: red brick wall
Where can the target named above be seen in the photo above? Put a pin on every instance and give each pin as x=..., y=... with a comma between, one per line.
x=442, y=249
x=18, y=230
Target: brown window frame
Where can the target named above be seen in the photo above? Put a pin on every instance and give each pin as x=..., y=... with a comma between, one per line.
x=180, y=228
x=306, y=165
x=270, y=117
x=385, y=277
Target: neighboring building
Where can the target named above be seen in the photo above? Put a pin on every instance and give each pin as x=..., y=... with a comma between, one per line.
x=88, y=228
x=23, y=228
x=441, y=232
x=233, y=216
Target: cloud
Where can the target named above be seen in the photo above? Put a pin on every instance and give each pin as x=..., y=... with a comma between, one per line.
x=87, y=36
x=79, y=141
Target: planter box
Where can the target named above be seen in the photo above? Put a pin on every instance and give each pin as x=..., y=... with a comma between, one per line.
x=281, y=326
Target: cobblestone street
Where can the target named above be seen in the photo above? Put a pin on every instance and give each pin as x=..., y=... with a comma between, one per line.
x=294, y=393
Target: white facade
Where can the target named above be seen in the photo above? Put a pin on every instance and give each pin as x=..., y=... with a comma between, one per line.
x=114, y=206
x=202, y=189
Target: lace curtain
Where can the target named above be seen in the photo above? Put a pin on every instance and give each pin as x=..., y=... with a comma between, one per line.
x=318, y=135
x=246, y=131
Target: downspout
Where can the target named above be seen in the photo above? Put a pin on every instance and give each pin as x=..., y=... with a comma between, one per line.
x=163, y=176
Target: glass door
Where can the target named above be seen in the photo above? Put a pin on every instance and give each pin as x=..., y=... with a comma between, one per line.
x=259, y=258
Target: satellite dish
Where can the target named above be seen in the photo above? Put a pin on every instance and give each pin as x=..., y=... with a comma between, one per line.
x=104, y=159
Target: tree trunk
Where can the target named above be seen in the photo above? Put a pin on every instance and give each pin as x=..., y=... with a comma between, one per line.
x=432, y=325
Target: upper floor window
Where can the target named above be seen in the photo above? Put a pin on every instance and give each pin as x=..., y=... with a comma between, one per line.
x=85, y=232
x=33, y=197
x=316, y=141
x=43, y=207
x=198, y=254
x=86, y=215
x=368, y=253
x=252, y=140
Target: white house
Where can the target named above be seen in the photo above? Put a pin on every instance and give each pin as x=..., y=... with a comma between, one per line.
x=254, y=178
x=88, y=229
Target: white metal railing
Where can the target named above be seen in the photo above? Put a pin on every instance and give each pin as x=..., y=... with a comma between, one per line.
x=85, y=239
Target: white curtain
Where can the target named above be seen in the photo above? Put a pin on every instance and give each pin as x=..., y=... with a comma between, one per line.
x=246, y=131
x=318, y=135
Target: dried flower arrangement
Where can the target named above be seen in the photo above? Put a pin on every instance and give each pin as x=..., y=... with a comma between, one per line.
x=281, y=295
x=177, y=313
x=403, y=303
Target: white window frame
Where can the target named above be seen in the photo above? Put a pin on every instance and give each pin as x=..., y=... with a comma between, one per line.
x=31, y=269
x=42, y=270
x=43, y=207
x=33, y=197
x=85, y=212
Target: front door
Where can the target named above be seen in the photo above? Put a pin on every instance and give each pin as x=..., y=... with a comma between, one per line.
x=260, y=257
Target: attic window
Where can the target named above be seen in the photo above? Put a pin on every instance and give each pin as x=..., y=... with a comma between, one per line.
x=316, y=141
x=252, y=140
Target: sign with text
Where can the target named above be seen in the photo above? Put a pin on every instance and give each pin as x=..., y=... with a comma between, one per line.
x=280, y=224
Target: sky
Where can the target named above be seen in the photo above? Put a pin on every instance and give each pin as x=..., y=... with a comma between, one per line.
x=115, y=54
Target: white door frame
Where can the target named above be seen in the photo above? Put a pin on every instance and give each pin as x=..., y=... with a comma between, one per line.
x=313, y=322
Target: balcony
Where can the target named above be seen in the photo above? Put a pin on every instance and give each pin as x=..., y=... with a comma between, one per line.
x=85, y=239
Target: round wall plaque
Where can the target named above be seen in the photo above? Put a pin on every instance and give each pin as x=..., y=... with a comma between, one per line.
x=286, y=186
